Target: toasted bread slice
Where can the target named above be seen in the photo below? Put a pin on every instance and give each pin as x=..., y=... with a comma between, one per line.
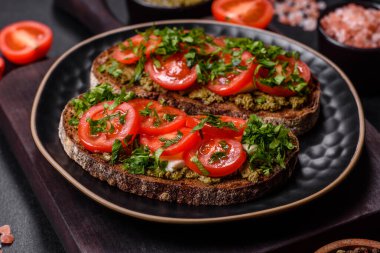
x=299, y=121
x=230, y=190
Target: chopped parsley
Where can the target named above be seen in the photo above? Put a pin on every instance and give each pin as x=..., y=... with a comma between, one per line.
x=170, y=142
x=169, y=117
x=116, y=149
x=141, y=160
x=217, y=157
x=104, y=125
x=199, y=165
x=148, y=111
x=100, y=93
x=224, y=145
x=214, y=121
x=272, y=143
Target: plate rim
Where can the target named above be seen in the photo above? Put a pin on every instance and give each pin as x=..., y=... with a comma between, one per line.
x=165, y=219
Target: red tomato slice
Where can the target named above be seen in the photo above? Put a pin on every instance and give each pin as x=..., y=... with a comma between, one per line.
x=232, y=157
x=102, y=142
x=256, y=13
x=188, y=141
x=280, y=91
x=25, y=41
x=211, y=131
x=127, y=56
x=232, y=83
x=167, y=119
x=2, y=67
x=173, y=73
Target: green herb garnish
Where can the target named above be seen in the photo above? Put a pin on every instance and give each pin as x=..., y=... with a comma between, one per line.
x=217, y=157
x=170, y=142
x=169, y=117
x=200, y=166
x=214, y=121
x=272, y=143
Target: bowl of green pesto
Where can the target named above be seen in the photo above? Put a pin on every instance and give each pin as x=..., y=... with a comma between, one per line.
x=150, y=10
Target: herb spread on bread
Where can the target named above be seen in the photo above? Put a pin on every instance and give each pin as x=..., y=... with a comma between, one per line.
x=245, y=74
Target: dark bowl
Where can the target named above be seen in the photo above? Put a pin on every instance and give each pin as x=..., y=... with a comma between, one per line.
x=141, y=11
x=360, y=64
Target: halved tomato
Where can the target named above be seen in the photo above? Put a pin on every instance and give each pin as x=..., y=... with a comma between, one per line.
x=256, y=13
x=99, y=127
x=236, y=80
x=171, y=72
x=216, y=157
x=212, y=131
x=127, y=52
x=2, y=67
x=180, y=141
x=25, y=41
x=157, y=119
x=282, y=91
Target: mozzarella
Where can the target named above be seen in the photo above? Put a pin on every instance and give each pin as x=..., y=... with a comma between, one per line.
x=175, y=165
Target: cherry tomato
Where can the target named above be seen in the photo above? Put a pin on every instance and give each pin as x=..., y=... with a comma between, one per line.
x=103, y=141
x=233, y=82
x=126, y=55
x=218, y=156
x=172, y=72
x=157, y=119
x=188, y=140
x=256, y=13
x=211, y=131
x=25, y=41
x=2, y=67
x=281, y=91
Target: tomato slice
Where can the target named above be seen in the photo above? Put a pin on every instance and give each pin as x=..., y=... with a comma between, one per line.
x=126, y=55
x=256, y=13
x=157, y=119
x=123, y=120
x=218, y=156
x=2, y=67
x=233, y=82
x=25, y=41
x=188, y=141
x=212, y=131
x=172, y=72
x=281, y=91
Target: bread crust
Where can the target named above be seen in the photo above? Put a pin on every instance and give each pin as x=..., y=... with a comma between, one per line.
x=299, y=121
x=229, y=191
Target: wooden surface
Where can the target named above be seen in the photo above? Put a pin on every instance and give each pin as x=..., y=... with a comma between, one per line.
x=84, y=226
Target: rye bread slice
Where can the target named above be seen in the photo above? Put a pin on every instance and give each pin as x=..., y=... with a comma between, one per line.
x=299, y=121
x=229, y=191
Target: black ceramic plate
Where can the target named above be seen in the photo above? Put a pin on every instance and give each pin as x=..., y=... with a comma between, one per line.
x=328, y=152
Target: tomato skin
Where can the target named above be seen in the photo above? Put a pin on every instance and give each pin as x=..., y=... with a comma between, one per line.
x=188, y=141
x=232, y=83
x=173, y=74
x=127, y=56
x=256, y=13
x=25, y=41
x=102, y=142
x=211, y=131
x=2, y=67
x=235, y=157
x=280, y=91
x=147, y=122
